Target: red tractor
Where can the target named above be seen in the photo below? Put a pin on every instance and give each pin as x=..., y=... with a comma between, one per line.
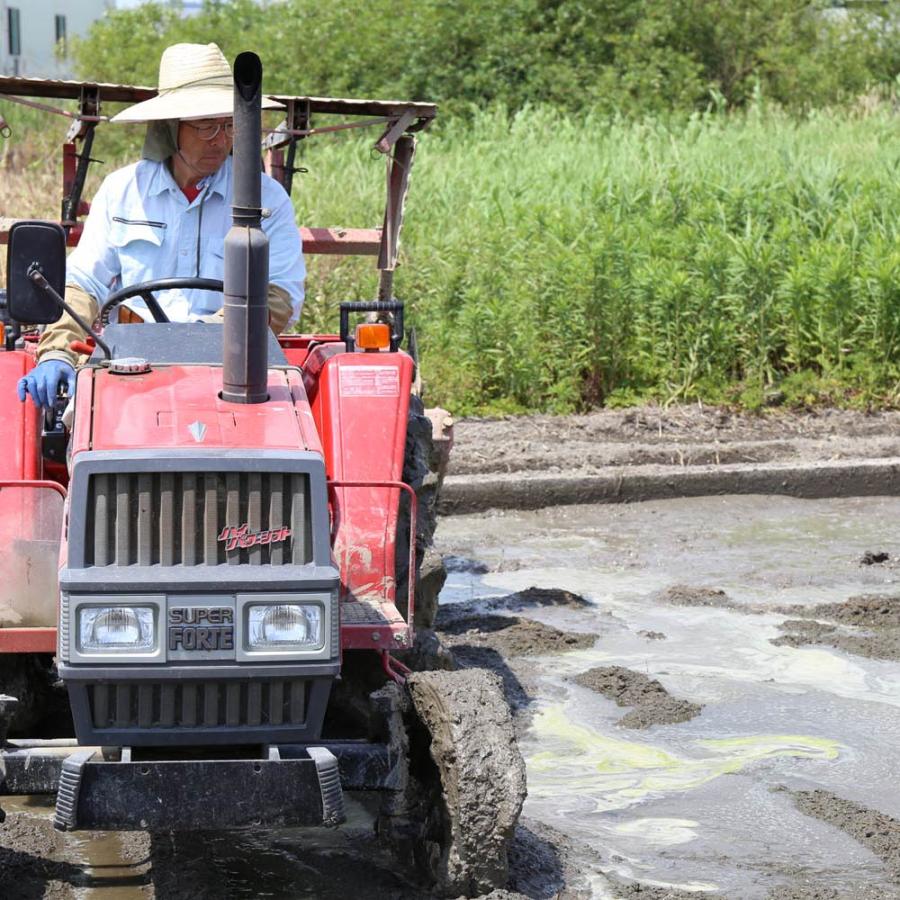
x=214, y=547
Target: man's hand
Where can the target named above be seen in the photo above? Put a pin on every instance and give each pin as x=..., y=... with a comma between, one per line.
x=43, y=382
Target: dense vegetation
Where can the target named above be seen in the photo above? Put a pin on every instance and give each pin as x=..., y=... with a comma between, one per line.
x=626, y=56
x=668, y=200
x=558, y=264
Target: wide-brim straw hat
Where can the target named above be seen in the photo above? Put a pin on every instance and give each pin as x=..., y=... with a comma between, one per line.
x=195, y=82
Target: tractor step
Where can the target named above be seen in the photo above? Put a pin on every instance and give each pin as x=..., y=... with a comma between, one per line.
x=182, y=795
x=36, y=766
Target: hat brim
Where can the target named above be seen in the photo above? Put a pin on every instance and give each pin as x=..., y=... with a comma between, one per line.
x=196, y=103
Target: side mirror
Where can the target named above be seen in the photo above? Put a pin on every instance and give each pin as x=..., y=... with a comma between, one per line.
x=35, y=246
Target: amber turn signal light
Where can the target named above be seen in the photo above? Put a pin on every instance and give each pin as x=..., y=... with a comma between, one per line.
x=373, y=336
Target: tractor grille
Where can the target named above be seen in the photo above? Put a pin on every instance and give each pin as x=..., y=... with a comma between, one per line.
x=203, y=704
x=177, y=518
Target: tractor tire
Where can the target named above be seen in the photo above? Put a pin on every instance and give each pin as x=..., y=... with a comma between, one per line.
x=465, y=784
x=420, y=472
x=29, y=678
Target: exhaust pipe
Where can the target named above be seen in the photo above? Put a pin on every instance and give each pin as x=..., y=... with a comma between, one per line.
x=245, y=349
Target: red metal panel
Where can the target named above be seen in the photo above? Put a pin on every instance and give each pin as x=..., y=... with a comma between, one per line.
x=31, y=519
x=342, y=241
x=303, y=412
x=328, y=241
x=84, y=405
x=360, y=403
x=297, y=347
x=27, y=640
x=155, y=410
x=375, y=637
x=19, y=425
x=395, y=632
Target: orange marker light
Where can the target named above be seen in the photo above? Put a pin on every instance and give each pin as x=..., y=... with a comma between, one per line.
x=373, y=336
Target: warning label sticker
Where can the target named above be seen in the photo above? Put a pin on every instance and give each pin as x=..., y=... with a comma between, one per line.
x=370, y=381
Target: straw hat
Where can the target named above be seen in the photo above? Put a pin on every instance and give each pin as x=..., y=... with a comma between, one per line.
x=195, y=82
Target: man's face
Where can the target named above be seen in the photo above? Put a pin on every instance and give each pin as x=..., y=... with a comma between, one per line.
x=204, y=153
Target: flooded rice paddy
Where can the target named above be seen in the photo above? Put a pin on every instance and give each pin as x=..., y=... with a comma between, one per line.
x=706, y=804
x=703, y=806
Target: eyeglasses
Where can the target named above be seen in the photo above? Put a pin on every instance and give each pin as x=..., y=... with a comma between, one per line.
x=208, y=131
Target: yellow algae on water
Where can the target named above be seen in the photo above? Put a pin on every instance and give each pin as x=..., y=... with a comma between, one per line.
x=762, y=745
x=612, y=773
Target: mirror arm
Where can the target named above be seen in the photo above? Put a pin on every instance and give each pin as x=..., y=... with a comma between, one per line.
x=35, y=274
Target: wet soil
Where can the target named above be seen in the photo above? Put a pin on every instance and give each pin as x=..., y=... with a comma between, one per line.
x=672, y=436
x=865, y=610
x=688, y=595
x=799, y=891
x=875, y=645
x=866, y=625
x=873, y=829
x=473, y=746
x=38, y=861
x=509, y=635
x=648, y=453
x=653, y=704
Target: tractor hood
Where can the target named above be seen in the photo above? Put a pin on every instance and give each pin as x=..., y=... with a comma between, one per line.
x=180, y=407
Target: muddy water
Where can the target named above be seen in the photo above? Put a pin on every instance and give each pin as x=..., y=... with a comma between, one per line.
x=698, y=805
x=36, y=861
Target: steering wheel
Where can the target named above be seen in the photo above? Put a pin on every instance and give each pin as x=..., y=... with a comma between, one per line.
x=145, y=292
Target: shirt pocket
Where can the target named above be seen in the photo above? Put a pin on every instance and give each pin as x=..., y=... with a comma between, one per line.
x=137, y=242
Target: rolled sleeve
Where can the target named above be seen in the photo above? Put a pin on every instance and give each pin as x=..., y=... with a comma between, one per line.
x=287, y=269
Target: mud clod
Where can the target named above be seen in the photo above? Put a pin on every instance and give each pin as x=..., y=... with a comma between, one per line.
x=823, y=892
x=482, y=774
x=870, y=558
x=653, y=704
x=871, y=828
x=538, y=597
x=866, y=625
x=867, y=610
x=509, y=635
x=634, y=890
x=688, y=595
x=464, y=564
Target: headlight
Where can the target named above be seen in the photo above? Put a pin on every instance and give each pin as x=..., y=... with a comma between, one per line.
x=116, y=627
x=285, y=625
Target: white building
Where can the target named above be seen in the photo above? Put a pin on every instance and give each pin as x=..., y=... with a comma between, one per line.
x=33, y=34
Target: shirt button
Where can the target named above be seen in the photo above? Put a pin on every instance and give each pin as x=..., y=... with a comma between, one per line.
x=184, y=252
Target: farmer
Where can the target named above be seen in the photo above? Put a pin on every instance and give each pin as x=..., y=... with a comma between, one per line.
x=167, y=215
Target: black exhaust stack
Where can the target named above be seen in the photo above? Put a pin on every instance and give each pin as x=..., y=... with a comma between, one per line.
x=245, y=363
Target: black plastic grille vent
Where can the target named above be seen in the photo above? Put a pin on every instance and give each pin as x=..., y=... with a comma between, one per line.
x=199, y=704
x=177, y=518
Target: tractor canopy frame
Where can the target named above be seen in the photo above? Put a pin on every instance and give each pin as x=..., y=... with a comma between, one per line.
x=398, y=122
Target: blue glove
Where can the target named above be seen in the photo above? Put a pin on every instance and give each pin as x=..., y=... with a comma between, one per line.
x=43, y=381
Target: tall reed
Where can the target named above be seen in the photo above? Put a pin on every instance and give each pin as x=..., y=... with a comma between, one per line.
x=556, y=263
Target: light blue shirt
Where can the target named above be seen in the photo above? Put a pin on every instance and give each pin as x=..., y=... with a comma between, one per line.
x=141, y=227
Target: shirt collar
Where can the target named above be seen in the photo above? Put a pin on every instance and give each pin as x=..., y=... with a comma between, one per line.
x=162, y=180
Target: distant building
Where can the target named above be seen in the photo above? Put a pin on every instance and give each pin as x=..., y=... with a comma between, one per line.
x=34, y=33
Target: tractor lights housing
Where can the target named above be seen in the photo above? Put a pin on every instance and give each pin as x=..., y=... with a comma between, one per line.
x=107, y=628
x=284, y=625
x=258, y=627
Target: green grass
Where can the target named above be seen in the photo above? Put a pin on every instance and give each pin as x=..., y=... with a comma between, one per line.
x=553, y=263
x=557, y=264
